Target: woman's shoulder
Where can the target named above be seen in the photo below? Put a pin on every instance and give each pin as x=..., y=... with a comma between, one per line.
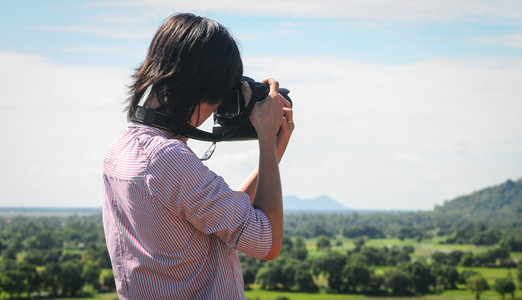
x=160, y=145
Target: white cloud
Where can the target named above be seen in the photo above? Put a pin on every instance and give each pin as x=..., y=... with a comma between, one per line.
x=509, y=40
x=54, y=120
x=30, y=81
x=119, y=31
x=392, y=136
x=371, y=136
x=384, y=10
x=103, y=50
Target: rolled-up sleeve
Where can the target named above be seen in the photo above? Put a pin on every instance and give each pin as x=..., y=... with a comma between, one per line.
x=186, y=187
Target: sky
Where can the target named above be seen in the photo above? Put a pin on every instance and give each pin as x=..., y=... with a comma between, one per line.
x=398, y=105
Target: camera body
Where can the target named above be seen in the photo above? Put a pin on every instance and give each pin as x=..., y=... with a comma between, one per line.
x=231, y=118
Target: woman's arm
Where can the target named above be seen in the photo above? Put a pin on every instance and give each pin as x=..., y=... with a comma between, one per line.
x=250, y=184
x=263, y=186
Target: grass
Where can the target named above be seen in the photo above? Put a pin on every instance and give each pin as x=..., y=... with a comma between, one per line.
x=266, y=295
x=467, y=295
x=423, y=249
x=101, y=296
x=491, y=274
x=257, y=294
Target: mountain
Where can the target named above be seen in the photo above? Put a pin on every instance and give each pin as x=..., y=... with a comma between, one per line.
x=500, y=204
x=320, y=204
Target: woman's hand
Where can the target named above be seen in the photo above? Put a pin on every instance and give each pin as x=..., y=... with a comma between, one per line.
x=272, y=115
x=266, y=116
x=287, y=127
x=285, y=131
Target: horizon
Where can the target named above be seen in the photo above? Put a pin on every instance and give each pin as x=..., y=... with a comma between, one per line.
x=346, y=209
x=397, y=106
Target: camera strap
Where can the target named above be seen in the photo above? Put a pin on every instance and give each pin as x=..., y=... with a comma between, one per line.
x=154, y=118
x=248, y=110
x=163, y=121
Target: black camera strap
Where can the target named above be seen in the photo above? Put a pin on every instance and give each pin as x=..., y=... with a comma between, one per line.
x=246, y=113
x=154, y=118
x=163, y=121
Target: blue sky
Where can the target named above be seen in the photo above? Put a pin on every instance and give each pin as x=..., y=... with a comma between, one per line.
x=399, y=104
x=113, y=33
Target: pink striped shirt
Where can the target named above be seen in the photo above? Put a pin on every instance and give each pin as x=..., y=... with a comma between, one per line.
x=172, y=226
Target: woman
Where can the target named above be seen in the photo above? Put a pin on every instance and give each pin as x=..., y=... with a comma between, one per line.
x=173, y=226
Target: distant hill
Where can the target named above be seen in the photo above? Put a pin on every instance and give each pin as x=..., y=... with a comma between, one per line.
x=500, y=204
x=319, y=204
x=495, y=205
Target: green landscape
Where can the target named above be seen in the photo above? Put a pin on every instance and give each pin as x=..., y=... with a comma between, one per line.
x=468, y=248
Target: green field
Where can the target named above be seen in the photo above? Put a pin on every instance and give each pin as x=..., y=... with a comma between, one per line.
x=272, y=295
x=423, y=249
x=447, y=295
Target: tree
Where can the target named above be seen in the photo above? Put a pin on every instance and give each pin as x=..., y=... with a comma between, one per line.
x=477, y=284
x=286, y=246
x=294, y=249
x=91, y=273
x=278, y=274
x=467, y=260
x=18, y=277
x=356, y=276
x=51, y=278
x=464, y=275
x=34, y=257
x=421, y=277
x=453, y=258
x=46, y=240
x=446, y=277
x=249, y=267
x=99, y=251
x=410, y=232
x=12, y=282
x=505, y=286
x=52, y=255
x=359, y=243
x=304, y=281
x=9, y=253
x=249, y=276
x=331, y=265
x=71, y=280
x=374, y=256
x=286, y=273
x=375, y=285
x=299, y=250
x=323, y=242
x=31, y=278
x=107, y=279
x=398, y=282
x=519, y=273
x=371, y=232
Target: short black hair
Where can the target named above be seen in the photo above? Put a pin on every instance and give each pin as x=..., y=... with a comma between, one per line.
x=190, y=60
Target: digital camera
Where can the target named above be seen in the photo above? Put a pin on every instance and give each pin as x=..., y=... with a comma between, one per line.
x=231, y=118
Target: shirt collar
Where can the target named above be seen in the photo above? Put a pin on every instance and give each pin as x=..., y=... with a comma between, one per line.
x=164, y=133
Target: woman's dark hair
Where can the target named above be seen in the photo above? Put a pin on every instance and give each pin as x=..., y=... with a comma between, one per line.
x=190, y=60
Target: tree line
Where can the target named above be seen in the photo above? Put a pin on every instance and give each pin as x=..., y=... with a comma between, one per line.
x=53, y=256
x=65, y=255
x=419, y=226
x=355, y=271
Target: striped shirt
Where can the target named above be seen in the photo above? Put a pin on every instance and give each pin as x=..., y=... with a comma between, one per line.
x=171, y=225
